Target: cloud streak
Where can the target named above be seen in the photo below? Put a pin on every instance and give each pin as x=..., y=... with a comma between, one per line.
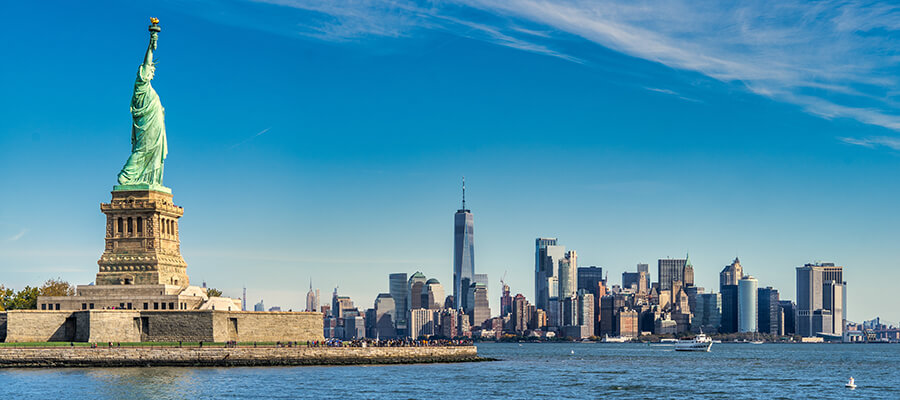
x=873, y=142
x=833, y=59
x=18, y=236
x=249, y=138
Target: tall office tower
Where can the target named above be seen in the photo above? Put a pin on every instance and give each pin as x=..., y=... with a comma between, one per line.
x=688, y=272
x=538, y=319
x=415, y=288
x=670, y=270
x=554, y=317
x=546, y=271
x=820, y=299
x=641, y=267
x=463, y=324
x=708, y=313
x=433, y=297
x=789, y=316
x=449, y=323
x=340, y=305
x=731, y=274
x=627, y=323
x=833, y=300
x=568, y=278
x=354, y=326
x=636, y=281
x=769, y=312
x=423, y=322
x=520, y=314
x=312, y=299
x=729, y=309
x=371, y=332
x=398, y=289
x=569, y=312
x=244, y=301
x=591, y=280
x=609, y=309
x=505, y=301
x=747, y=305
x=480, y=309
x=692, y=293
x=586, y=313
x=463, y=252
x=384, y=317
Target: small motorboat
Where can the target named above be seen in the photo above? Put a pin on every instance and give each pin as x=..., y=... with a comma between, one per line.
x=851, y=384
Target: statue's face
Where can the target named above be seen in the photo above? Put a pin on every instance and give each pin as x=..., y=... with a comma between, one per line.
x=152, y=72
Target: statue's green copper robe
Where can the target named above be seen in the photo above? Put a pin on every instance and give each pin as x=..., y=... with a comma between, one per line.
x=148, y=135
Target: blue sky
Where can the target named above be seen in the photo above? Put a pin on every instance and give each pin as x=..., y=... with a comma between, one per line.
x=327, y=139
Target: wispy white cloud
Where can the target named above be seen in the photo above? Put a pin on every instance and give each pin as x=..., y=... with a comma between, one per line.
x=671, y=93
x=18, y=236
x=343, y=20
x=872, y=142
x=258, y=134
x=832, y=58
x=780, y=49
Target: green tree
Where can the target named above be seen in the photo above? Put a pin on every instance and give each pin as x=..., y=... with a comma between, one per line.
x=56, y=287
x=5, y=296
x=213, y=292
x=25, y=299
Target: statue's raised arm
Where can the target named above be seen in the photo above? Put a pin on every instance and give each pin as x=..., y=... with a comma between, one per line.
x=148, y=131
x=148, y=58
x=154, y=32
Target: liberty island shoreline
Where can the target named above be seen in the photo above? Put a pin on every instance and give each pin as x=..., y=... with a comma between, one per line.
x=245, y=355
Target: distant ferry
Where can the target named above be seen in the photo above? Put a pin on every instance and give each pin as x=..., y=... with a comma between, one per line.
x=700, y=342
x=617, y=339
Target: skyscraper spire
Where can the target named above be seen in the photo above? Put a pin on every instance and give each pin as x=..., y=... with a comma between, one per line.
x=464, y=193
x=463, y=252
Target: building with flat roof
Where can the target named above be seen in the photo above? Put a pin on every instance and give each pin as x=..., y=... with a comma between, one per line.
x=547, y=254
x=747, y=304
x=670, y=270
x=769, y=311
x=821, y=299
x=398, y=288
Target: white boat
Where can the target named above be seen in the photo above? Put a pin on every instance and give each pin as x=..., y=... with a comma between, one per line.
x=851, y=384
x=617, y=339
x=668, y=340
x=700, y=342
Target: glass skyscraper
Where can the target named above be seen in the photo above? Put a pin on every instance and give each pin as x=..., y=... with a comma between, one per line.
x=463, y=253
x=398, y=287
x=546, y=272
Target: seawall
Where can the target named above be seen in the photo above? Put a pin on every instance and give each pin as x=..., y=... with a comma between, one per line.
x=226, y=357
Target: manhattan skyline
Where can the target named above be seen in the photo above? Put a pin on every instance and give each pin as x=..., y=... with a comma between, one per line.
x=340, y=148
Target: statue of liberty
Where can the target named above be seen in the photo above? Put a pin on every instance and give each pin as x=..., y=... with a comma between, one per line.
x=148, y=130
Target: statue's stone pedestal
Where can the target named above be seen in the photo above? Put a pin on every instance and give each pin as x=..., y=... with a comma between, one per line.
x=142, y=245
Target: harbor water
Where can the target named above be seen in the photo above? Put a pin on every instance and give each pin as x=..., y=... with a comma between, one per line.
x=524, y=370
